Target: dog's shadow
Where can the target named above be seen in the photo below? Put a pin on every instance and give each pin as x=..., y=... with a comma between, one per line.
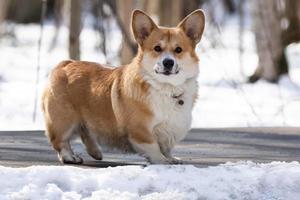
x=105, y=164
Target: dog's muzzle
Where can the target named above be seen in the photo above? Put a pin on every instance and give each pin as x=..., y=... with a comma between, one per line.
x=167, y=66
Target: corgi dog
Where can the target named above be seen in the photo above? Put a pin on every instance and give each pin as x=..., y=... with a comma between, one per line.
x=144, y=107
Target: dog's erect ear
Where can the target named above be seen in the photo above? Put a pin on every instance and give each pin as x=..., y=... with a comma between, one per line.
x=142, y=25
x=193, y=25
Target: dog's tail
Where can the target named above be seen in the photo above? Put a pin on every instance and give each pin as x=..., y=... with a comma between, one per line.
x=60, y=65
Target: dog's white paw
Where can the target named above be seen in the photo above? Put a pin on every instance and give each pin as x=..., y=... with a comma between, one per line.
x=70, y=159
x=174, y=160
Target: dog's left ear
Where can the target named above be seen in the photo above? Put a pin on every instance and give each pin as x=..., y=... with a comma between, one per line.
x=142, y=25
x=193, y=25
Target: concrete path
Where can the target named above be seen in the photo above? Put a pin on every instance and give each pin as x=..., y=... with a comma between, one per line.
x=202, y=147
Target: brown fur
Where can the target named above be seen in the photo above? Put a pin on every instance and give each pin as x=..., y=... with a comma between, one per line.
x=80, y=94
x=88, y=98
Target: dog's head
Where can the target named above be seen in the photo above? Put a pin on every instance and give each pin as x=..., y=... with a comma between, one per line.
x=168, y=54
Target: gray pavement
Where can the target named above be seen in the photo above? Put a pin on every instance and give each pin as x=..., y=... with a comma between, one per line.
x=202, y=147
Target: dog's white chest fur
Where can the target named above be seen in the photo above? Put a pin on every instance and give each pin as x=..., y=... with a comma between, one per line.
x=171, y=119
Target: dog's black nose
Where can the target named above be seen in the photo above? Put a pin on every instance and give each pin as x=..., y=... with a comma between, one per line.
x=168, y=64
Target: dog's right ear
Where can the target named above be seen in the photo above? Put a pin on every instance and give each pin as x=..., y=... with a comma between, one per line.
x=142, y=25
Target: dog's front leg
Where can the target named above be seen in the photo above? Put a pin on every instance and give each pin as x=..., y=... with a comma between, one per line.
x=166, y=151
x=144, y=143
x=166, y=148
x=151, y=151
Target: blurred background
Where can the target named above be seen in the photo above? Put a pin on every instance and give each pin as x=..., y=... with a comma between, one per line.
x=249, y=54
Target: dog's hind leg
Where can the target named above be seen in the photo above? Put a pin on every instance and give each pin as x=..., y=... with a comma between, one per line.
x=90, y=142
x=61, y=124
x=61, y=143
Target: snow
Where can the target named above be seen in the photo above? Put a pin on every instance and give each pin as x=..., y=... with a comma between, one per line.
x=225, y=99
x=242, y=180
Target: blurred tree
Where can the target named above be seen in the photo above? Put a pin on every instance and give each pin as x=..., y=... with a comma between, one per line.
x=3, y=13
x=124, y=9
x=187, y=8
x=21, y=11
x=230, y=6
x=276, y=25
x=292, y=32
x=75, y=29
x=122, y=16
x=171, y=12
x=58, y=6
x=152, y=8
x=98, y=10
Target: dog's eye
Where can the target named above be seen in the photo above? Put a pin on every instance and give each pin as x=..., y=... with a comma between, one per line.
x=178, y=50
x=157, y=48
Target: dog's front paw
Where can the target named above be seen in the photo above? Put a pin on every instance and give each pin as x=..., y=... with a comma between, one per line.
x=96, y=154
x=174, y=160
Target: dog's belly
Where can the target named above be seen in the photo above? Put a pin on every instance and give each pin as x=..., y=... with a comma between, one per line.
x=110, y=139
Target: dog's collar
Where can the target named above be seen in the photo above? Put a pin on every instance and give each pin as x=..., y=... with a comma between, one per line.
x=178, y=98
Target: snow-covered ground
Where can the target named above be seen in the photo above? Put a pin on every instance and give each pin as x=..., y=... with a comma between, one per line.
x=224, y=98
x=242, y=181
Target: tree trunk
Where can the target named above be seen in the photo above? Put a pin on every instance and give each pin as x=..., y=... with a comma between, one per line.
x=23, y=11
x=58, y=18
x=292, y=12
x=124, y=9
x=187, y=8
x=170, y=12
x=75, y=29
x=268, y=35
x=151, y=8
x=3, y=12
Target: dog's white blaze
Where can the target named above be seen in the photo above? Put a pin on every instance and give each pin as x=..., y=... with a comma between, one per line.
x=171, y=120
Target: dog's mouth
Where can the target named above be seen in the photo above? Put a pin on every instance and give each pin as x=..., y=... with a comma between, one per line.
x=167, y=72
